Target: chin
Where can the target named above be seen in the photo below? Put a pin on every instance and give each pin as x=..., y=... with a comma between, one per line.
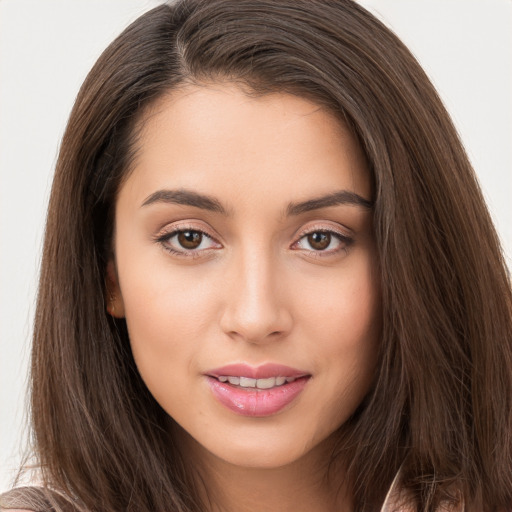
x=262, y=448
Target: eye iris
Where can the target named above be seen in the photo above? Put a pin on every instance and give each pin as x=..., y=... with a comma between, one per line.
x=190, y=239
x=319, y=240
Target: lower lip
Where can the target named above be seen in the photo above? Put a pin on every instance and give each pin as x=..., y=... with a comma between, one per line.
x=256, y=402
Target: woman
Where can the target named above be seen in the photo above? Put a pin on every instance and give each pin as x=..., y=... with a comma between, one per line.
x=269, y=278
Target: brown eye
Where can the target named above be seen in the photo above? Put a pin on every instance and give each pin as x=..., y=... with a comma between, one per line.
x=187, y=242
x=319, y=240
x=190, y=239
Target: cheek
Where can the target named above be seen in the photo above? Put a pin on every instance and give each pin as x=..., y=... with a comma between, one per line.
x=345, y=306
x=343, y=317
x=169, y=316
x=169, y=322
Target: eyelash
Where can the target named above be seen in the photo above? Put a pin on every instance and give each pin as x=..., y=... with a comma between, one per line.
x=165, y=238
x=344, y=240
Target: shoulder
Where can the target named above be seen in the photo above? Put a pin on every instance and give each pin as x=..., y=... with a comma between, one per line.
x=24, y=499
x=35, y=499
x=398, y=499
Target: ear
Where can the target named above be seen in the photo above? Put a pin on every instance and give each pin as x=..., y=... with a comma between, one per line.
x=114, y=298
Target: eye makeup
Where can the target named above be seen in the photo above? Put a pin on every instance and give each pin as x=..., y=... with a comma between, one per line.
x=186, y=240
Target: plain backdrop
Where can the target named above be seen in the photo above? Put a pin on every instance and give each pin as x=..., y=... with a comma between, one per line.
x=46, y=50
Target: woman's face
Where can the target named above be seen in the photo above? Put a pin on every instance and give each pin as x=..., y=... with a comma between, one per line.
x=244, y=259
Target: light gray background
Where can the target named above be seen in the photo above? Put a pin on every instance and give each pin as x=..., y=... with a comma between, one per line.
x=46, y=49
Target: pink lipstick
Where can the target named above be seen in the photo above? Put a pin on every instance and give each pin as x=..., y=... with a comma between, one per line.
x=256, y=391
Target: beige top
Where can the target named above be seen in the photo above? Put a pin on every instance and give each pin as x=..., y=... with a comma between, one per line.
x=30, y=499
x=396, y=500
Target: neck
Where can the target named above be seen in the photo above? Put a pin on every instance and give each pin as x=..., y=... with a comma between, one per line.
x=309, y=483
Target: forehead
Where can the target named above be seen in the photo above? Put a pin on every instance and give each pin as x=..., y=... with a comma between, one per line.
x=205, y=136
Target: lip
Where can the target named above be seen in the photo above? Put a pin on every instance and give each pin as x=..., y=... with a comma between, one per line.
x=256, y=402
x=264, y=371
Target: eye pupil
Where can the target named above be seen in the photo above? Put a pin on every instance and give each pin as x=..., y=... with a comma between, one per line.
x=190, y=239
x=319, y=240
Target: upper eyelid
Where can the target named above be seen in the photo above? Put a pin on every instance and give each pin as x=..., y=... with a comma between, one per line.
x=164, y=237
x=341, y=237
x=345, y=238
x=174, y=228
x=341, y=231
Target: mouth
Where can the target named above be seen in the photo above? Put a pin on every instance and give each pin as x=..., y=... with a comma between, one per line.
x=257, y=391
x=250, y=383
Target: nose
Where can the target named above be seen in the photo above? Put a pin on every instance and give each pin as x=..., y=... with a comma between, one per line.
x=255, y=306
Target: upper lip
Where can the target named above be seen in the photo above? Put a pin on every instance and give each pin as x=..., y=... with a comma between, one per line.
x=264, y=371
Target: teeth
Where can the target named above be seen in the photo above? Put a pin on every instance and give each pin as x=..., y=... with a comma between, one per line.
x=266, y=383
x=246, y=382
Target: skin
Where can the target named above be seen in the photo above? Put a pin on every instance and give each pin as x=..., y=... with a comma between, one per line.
x=256, y=290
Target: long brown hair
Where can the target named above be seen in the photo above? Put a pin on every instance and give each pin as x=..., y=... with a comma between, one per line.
x=441, y=404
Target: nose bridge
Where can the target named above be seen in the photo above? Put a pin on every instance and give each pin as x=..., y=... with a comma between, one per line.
x=255, y=310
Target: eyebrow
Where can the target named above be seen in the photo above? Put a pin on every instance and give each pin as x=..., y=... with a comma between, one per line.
x=205, y=202
x=186, y=198
x=342, y=197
